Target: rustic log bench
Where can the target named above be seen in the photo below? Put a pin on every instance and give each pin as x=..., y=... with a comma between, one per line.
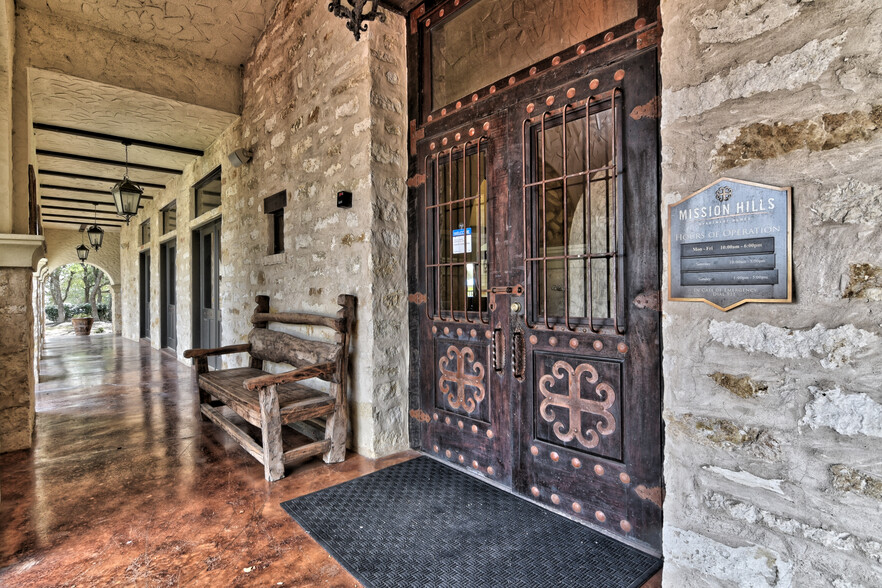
x=270, y=401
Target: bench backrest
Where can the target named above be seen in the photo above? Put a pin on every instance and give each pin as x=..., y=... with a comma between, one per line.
x=279, y=347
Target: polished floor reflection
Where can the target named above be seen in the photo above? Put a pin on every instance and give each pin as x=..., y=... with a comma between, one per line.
x=127, y=485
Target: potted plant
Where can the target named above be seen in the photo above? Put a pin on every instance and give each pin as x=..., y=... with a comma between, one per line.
x=82, y=323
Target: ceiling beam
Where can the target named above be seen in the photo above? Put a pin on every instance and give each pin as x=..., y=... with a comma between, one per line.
x=117, y=139
x=67, y=222
x=83, y=190
x=101, y=161
x=75, y=209
x=78, y=201
x=87, y=218
x=73, y=176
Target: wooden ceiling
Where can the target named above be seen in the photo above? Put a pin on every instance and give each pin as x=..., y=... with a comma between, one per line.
x=80, y=130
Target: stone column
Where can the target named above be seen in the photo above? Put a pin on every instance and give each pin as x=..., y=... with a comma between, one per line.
x=116, y=302
x=17, y=344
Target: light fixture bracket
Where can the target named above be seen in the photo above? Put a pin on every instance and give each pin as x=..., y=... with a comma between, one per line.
x=355, y=14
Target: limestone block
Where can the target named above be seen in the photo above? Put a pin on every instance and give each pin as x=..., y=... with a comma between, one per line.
x=744, y=19
x=832, y=539
x=743, y=387
x=846, y=479
x=836, y=347
x=847, y=414
x=865, y=282
x=783, y=72
x=16, y=428
x=749, y=566
x=852, y=202
x=724, y=434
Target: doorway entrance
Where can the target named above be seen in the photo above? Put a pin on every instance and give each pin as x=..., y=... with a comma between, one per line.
x=206, y=281
x=537, y=260
x=168, y=295
x=144, y=294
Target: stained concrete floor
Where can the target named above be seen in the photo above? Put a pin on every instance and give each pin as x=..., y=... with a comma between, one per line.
x=126, y=485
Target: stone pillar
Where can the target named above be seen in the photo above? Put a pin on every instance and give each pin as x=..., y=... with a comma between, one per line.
x=17, y=343
x=116, y=303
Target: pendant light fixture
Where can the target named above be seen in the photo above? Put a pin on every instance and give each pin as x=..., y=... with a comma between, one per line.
x=82, y=252
x=126, y=193
x=357, y=14
x=96, y=233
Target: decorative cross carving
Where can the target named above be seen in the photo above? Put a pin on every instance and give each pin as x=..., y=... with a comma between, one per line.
x=576, y=405
x=461, y=379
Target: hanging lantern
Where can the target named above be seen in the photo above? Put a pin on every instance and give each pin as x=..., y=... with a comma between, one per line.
x=357, y=14
x=126, y=193
x=95, y=233
x=82, y=253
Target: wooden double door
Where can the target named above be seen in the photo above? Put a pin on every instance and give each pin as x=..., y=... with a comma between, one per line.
x=537, y=255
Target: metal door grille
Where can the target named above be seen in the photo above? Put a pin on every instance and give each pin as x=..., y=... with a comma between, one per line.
x=536, y=185
x=444, y=210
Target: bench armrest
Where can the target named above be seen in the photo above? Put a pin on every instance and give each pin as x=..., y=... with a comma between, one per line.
x=312, y=371
x=245, y=347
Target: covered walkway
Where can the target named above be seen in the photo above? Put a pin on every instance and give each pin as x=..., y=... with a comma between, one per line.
x=125, y=483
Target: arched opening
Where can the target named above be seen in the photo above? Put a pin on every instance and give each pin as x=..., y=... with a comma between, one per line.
x=78, y=290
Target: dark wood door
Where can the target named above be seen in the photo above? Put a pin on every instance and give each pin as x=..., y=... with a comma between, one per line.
x=207, y=300
x=465, y=386
x=585, y=333
x=538, y=253
x=168, y=274
x=144, y=294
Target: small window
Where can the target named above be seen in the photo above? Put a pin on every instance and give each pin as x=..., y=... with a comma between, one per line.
x=169, y=218
x=274, y=207
x=145, y=232
x=208, y=192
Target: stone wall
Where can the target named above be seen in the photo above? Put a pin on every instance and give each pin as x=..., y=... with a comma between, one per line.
x=321, y=113
x=16, y=358
x=773, y=412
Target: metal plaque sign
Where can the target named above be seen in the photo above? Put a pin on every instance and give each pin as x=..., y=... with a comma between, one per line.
x=729, y=243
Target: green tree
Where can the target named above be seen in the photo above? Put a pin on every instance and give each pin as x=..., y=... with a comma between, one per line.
x=58, y=288
x=95, y=284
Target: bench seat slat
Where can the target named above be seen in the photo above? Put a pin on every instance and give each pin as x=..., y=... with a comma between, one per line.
x=296, y=401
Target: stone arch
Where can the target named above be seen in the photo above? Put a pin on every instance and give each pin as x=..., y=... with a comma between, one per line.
x=61, y=250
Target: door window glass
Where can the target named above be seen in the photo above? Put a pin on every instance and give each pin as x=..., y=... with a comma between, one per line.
x=208, y=193
x=457, y=248
x=572, y=207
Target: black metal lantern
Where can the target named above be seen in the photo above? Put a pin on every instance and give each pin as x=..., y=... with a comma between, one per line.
x=82, y=253
x=357, y=14
x=95, y=233
x=126, y=193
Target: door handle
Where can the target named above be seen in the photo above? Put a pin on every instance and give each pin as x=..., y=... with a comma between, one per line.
x=497, y=350
x=518, y=355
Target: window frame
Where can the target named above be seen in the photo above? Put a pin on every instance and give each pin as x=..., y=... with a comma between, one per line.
x=215, y=174
x=173, y=205
x=274, y=208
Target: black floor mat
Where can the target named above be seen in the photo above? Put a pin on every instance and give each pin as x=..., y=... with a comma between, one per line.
x=421, y=523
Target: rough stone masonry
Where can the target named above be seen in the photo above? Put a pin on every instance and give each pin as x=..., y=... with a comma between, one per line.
x=773, y=411
x=321, y=114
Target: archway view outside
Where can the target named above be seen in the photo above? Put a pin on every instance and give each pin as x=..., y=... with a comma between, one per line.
x=77, y=291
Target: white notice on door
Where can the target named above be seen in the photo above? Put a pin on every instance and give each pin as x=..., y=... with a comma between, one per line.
x=462, y=241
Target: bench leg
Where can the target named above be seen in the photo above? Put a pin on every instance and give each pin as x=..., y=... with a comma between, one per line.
x=204, y=398
x=271, y=429
x=336, y=431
